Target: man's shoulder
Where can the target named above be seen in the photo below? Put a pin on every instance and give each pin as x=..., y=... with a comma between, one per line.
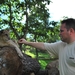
x=56, y=43
x=61, y=43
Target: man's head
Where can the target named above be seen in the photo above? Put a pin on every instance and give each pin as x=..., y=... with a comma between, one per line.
x=67, y=30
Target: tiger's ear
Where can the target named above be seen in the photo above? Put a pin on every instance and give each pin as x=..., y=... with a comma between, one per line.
x=4, y=31
x=1, y=31
x=7, y=29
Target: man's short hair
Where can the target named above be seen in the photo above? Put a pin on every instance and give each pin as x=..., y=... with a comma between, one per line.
x=70, y=23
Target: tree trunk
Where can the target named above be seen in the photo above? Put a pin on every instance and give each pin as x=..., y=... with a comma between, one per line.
x=10, y=62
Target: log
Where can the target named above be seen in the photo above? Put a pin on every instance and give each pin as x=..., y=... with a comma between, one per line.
x=10, y=62
x=30, y=65
x=52, y=68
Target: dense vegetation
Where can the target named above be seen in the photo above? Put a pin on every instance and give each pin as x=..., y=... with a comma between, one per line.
x=29, y=19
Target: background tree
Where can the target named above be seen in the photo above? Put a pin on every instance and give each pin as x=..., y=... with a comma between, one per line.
x=28, y=19
x=27, y=16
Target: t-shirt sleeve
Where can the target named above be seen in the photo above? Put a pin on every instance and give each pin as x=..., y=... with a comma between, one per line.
x=53, y=48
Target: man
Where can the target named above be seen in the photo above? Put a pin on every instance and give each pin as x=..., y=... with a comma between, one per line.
x=63, y=50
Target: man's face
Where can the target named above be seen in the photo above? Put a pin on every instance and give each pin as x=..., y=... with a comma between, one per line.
x=64, y=33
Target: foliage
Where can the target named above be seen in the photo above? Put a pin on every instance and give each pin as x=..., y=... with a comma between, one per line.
x=44, y=63
x=28, y=19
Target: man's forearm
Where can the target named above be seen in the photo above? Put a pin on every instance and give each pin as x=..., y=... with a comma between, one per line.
x=38, y=45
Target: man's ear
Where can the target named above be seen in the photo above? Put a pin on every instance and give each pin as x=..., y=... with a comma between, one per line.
x=72, y=30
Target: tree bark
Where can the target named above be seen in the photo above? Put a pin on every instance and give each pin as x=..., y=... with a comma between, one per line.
x=10, y=62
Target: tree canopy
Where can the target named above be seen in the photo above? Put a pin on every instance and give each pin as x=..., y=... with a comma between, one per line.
x=28, y=18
